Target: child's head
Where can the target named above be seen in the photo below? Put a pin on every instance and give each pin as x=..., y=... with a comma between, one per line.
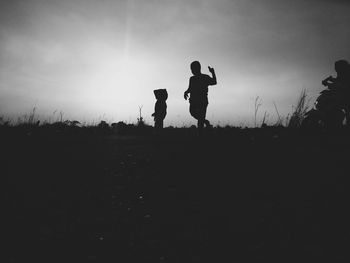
x=161, y=94
x=342, y=67
x=196, y=68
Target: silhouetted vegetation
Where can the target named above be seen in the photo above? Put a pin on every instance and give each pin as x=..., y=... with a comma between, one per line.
x=300, y=111
x=115, y=192
x=264, y=192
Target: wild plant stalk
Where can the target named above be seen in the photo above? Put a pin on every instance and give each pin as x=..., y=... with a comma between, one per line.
x=280, y=120
x=299, y=112
x=287, y=119
x=32, y=116
x=140, y=120
x=257, y=105
x=264, y=119
x=61, y=116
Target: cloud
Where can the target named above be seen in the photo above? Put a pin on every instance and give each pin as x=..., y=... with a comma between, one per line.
x=70, y=49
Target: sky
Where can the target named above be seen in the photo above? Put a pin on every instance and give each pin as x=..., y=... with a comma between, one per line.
x=102, y=59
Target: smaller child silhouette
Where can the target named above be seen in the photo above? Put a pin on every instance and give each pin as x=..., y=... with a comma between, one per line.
x=160, y=107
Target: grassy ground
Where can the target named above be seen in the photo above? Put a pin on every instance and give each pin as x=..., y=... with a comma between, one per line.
x=232, y=195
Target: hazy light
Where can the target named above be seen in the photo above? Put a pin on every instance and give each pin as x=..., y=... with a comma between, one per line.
x=104, y=58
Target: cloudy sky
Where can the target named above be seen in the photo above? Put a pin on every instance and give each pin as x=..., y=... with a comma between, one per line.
x=94, y=59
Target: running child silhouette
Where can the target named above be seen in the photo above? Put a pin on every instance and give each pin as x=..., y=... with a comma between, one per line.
x=198, y=90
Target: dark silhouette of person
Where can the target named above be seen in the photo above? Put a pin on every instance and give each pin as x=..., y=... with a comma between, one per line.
x=341, y=86
x=160, y=107
x=198, y=90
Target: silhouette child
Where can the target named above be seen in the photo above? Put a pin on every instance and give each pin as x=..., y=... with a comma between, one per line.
x=341, y=86
x=160, y=107
x=198, y=90
x=341, y=81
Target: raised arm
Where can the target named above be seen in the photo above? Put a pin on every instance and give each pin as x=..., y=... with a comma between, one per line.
x=213, y=78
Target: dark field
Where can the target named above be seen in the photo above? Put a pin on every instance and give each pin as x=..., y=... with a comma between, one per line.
x=232, y=195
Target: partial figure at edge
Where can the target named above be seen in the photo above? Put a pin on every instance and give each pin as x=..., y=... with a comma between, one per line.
x=332, y=106
x=340, y=85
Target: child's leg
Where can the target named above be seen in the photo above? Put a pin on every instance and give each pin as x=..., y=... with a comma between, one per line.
x=158, y=123
x=204, y=113
x=201, y=116
x=207, y=123
x=194, y=111
x=200, y=124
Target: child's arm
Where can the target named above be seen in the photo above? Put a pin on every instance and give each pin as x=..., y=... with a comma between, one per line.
x=213, y=78
x=333, y=83
x=328, y=81
x=188, y=90
x=155, y=110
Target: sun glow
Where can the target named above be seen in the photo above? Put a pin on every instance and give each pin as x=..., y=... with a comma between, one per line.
x=118, y=83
